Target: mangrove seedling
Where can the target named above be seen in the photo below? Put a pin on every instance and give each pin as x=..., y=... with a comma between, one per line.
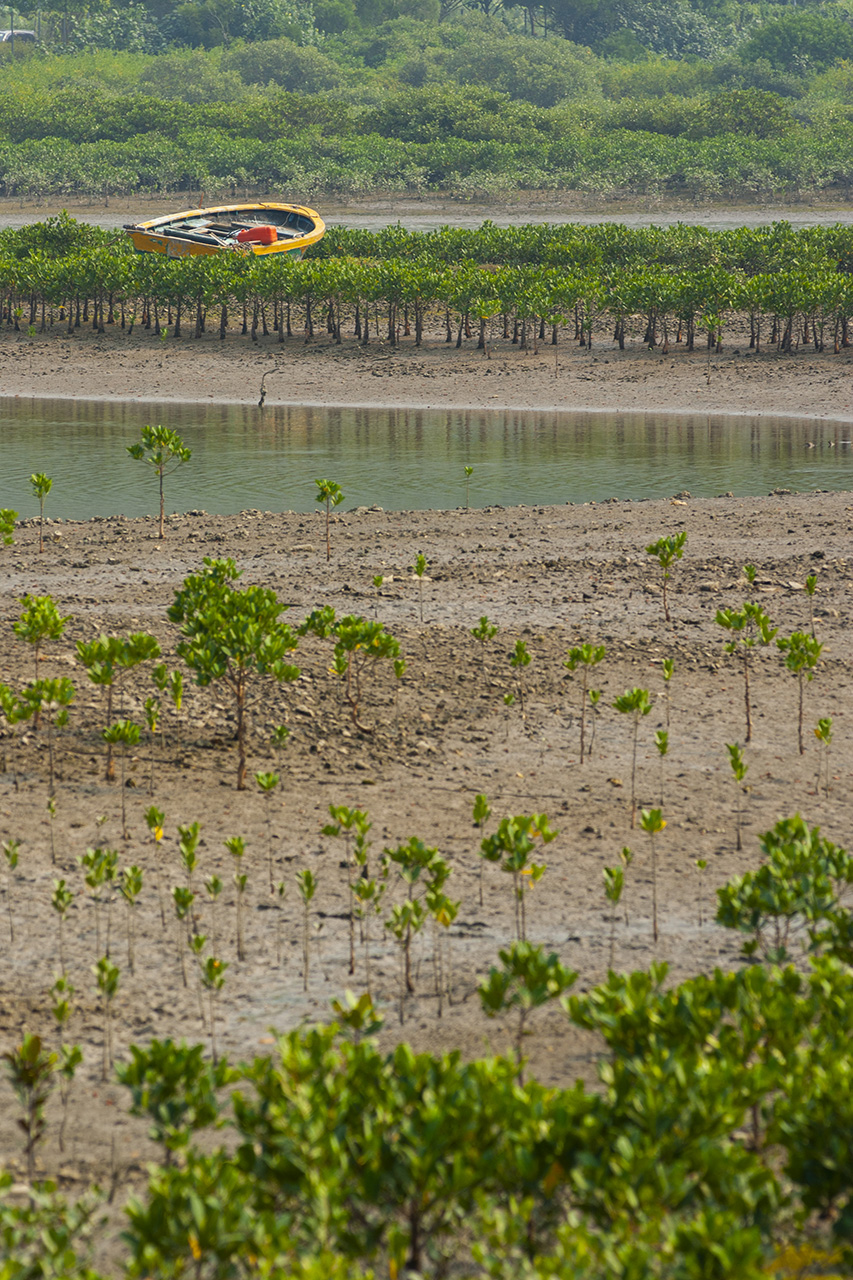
x=469, y=471
x=595, y=696
x=40, y=620
x=268, y=783
x=70, y=1055
x=130, y=887
x=331, y=495
x=358, y=1016
x=484, y=632
x=307, y=883
x=652, y=822
x=662, y=745
x=107, y=660
x=53, y=697
x=279, y=739
x=154, y=819
x=443, y=911
x=667, y=667
x=666, y=551
x=585, y=656
x=823, y=733
x=232, y=635
x=614, y=883
x=14, y=710
x=152, y=720
x=213, y=980
x=481, y=813
x=30, y=1068
x=802, y=653
x=811, y=588
x=41, y=486
x=7, y=526
x=748, y=627
x=739, y=769
x=61, y=903
x=519, y=659
x=419, y=569
x=399, y=672
x=421, y=865
x=378, y=579
x=177, y=1089
x=107, y=980
x=352, y=825
x=749, y=571
x=99, y=867
x=236, y=846
x=183, y=899
x=634, y=703
x=189, y=836
x=626, y=857
x=511, y=847
x=527, y=980
x=359, y=645
x=11, y=849
x=213, y=886
x=405, y=922
x=124, y=734
x=164, y=451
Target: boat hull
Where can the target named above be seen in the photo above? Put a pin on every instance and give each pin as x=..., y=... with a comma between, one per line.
x=199, y=232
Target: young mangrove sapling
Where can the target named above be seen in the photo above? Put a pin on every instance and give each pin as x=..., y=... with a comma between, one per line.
x=164, y=451
x=666, y=551
x=41, y=487
x=527, y=980
x=233, y=635
x=653, y=822
x=636, y=704
x=802, y=653
x=748, y=627
x=585, y=656
x=739, y=769
x=331, y=495
x=30, y=1068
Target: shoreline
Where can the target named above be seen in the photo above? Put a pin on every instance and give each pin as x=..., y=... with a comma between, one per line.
x=139, y=368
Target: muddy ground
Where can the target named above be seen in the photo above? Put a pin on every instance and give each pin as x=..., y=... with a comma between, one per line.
x=552, y=576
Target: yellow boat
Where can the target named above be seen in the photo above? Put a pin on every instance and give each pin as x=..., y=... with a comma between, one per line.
x=261, y=229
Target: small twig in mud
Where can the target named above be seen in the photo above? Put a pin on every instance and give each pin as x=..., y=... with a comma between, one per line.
x=264, y=377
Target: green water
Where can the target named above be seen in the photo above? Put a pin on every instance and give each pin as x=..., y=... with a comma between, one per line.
x=402, y=458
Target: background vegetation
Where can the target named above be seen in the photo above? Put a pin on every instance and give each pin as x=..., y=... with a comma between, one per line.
x=706, y=98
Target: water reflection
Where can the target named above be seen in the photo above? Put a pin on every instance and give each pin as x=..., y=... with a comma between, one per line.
x=399, y=458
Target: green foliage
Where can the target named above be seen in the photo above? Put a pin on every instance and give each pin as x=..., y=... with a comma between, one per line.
x=41, y=487
x=164, y=451
x=232, y=635
x=511, y=846
x=174, y=1086
x=46, y=1238
x=527, y=979
x=748, y=627
x=331, y=495
x=7, y=525
x=40, y=620
x=797, y=892
x=666, y=551
x=586, y=656
x=802, y=653
x=30, y=1068
x=636, y=704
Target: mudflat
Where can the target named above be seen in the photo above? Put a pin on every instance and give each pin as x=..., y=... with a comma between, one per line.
x=427, y=744
x=139, y=366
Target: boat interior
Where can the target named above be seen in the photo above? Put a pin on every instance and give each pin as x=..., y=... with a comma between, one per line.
x=224, y=227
